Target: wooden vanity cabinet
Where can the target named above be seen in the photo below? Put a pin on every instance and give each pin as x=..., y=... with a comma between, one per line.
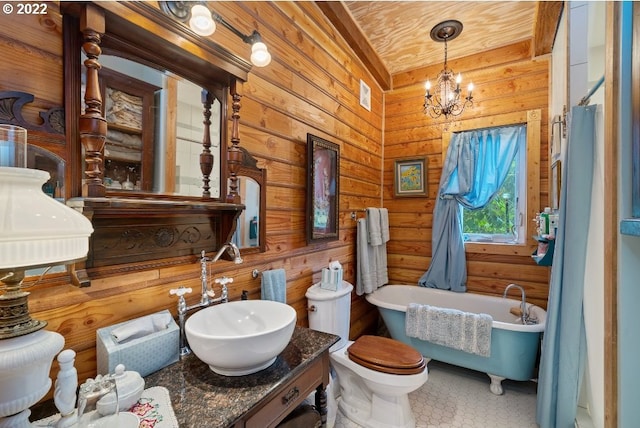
x=277, y=405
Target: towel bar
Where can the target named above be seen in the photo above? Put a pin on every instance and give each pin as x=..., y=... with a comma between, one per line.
x=354, y=215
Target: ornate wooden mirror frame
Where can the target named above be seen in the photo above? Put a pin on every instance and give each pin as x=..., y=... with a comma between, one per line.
x=136, y=231
x=249, y=169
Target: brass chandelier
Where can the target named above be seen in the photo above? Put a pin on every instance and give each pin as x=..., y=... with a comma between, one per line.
x=444, y=98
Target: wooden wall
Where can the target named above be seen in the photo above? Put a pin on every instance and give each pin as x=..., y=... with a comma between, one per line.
x=311, y=86
x=506, y=80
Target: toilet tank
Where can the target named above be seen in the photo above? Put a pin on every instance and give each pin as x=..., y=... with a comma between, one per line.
x=330, y=311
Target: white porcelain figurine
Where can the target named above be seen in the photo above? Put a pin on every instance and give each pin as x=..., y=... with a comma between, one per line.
x=64, y=395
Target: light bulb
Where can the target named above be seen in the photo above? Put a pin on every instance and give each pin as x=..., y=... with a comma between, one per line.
x=459, y=79
x=260, y=56
x=201, y=21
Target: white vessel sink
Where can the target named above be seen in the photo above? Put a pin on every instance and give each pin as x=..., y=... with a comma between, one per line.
x=241, y=337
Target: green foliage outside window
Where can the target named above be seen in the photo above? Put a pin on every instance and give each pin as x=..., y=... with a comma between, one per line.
x=498, y=217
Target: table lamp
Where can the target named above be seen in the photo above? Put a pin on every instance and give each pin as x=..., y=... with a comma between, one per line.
x=35, y=231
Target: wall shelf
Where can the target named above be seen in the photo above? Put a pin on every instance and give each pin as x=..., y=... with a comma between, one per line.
x=547, y=258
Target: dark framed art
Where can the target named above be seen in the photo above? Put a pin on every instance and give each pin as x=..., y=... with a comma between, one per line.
x=410, y=177
x=323, y=189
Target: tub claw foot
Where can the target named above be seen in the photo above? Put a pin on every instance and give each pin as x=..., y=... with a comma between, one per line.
x=496, y=384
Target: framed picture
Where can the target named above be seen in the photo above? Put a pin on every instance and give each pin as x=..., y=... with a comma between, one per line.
x=323, y=189
x=556, y=176
x=365, y=95
x=410, y=177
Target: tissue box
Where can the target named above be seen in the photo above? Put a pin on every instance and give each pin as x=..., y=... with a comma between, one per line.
x=331, y=279
x=144, y=355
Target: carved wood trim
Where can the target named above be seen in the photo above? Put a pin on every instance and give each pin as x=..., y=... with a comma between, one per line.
x=11, y=105
x=206, y=158
x=133, y=235
x=73, y=74
x=92, y=125
x=234, y=154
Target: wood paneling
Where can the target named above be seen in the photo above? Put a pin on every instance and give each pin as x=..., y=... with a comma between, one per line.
x=547, y=17
x=340, y=17
x=510, y=84
x=399, y=31
x=311, y=86
x=611, y=210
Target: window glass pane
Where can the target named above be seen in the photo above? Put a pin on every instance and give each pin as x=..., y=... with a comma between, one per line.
x=498, y=220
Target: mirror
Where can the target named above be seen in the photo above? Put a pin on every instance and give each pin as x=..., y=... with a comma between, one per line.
x=165, y=55
x=250, y=234
x=155, y=130
x=171, y=228
x=246, y=235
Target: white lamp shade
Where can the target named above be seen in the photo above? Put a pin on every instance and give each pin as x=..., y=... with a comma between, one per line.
x=35, y=229
x=201, y=21
x=260, y=56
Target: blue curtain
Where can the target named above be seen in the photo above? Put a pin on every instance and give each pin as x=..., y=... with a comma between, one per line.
x=564, y=342
x=476, y=164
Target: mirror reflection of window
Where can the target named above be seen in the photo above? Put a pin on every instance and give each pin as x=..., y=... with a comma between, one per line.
x=247, y=232
x=178, y=131
x=190, y=130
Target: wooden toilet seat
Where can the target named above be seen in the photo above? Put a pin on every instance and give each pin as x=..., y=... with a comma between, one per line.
x=386, y=355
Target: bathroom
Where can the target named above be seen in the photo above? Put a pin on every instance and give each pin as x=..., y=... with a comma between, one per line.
x=311, y=86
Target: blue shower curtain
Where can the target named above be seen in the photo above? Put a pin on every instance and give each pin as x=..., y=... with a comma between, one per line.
x=564, y=342
x=476, y=164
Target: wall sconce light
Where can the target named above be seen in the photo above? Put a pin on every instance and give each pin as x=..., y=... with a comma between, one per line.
x=203, y=22
x=445, y=97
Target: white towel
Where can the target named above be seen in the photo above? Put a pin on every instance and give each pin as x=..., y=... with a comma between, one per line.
x=274, y=285
x=373, y=227
x=382, y=273
x=141, y=327
x=366, y=281
x=384, y=225
x=464, y=331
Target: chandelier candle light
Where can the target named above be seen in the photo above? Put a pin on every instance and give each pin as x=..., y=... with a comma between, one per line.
x=445, y=98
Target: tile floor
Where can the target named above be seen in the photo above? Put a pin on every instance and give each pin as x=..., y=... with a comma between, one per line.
x=454, y=397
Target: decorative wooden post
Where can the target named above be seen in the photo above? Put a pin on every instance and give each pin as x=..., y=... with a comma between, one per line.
x=234, y=154
x=206, y=158
x=93, y=126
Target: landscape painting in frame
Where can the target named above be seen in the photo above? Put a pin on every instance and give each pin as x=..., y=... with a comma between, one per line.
x=410, y=177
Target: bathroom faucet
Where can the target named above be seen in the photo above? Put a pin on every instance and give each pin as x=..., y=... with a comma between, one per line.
x=233, y=251
x=206, y=295
x=524, y=315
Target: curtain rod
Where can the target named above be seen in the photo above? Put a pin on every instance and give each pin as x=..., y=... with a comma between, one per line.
x=585, y=100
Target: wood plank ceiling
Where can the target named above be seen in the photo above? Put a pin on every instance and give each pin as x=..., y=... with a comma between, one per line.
x=393, y=36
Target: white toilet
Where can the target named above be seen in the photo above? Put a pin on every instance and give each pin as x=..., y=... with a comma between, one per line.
x=373, y=392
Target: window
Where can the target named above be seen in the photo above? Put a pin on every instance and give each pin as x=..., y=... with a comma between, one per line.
x=501, y=220
x=526, y=196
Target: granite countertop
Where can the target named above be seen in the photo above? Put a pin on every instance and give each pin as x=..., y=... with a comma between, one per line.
x=198, y=394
